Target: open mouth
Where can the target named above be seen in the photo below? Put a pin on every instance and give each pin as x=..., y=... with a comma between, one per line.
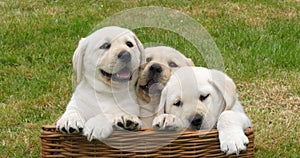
x=123, y=75
x=151, y=87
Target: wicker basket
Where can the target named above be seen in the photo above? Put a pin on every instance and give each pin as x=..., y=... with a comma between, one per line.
x=144, y=143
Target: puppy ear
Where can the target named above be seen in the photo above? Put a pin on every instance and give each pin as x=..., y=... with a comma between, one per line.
x=226, y=86
x=190, y=62
x=161, y=109
x=78, y=58
x=141, y=50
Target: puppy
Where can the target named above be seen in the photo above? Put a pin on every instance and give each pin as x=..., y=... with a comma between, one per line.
x=107, y=65
x=161, y=62
x=199, y=98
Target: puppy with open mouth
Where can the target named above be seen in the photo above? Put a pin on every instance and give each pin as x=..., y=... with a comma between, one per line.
x=161, y=62
x=107, y=66
x=198, y=98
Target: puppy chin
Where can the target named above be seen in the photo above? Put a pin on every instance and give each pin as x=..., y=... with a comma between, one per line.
x=149, y=94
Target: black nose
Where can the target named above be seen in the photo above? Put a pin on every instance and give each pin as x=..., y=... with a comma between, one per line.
x=156, y=68
x=124, y=56
x=197, y=120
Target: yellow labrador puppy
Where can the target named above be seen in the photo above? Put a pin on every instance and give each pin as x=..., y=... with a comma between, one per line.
x=200, y=98
x=161, y=62
x=107, y=65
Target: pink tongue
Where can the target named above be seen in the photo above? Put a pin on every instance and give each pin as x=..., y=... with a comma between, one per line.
x=124, y=73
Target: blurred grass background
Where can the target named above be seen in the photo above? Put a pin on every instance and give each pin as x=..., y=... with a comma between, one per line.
x=259, y=42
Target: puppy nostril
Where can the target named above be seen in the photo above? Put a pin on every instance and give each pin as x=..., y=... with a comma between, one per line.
x=156, y=68
x=124, y=56
x=197, y=120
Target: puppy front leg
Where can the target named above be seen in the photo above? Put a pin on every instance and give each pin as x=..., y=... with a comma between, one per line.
x=98, y=127
x=231, y=126
x=72, y=120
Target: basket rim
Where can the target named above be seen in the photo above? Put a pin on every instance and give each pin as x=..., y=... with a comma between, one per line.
x=149, y=130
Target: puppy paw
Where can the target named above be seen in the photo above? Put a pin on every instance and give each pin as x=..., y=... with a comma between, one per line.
x=71, y=122
x=233, y=141
x=97, y=128
x=127, y=122
x=167, y=122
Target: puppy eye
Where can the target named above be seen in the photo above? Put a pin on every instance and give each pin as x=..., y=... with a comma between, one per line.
x=172, y=64
x=129, y=44
x=178, y=103
x=105, y=46
x=148, y=59
x=203, y=97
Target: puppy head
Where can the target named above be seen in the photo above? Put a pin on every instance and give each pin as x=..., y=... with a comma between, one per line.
x=111, y=55
x=161, y=62
x=197, y=96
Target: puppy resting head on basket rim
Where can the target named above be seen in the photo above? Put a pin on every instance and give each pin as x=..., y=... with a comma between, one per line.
x=199, y=98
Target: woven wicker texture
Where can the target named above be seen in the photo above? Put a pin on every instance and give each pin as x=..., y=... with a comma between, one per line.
x=144, y=143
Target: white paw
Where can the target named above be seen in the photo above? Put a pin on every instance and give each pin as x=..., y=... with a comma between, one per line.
x=97, y=128
x=167, y=122
x=233, y=141
x=127, y=122
x=70, y=122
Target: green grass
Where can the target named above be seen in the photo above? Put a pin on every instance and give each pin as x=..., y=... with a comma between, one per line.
x=259, y=42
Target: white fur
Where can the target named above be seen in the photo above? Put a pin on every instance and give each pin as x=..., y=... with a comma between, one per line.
x=221, y=108
x=159, y=55
x=98, y=105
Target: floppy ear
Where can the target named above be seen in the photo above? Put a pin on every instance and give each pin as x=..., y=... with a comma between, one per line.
x=78, y=59
x=141, y=49
x=161, y=109
x=190, y=62
x=226, y=86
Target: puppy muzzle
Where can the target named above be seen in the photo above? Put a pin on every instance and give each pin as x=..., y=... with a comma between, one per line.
x=125, y=73
x=196, y=122
x=155, y=69
x=124, y=56
x=153, y=84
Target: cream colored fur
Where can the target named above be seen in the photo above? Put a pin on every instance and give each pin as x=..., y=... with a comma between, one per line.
x=200, y=98
x=169, y=60
x=107, y=66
